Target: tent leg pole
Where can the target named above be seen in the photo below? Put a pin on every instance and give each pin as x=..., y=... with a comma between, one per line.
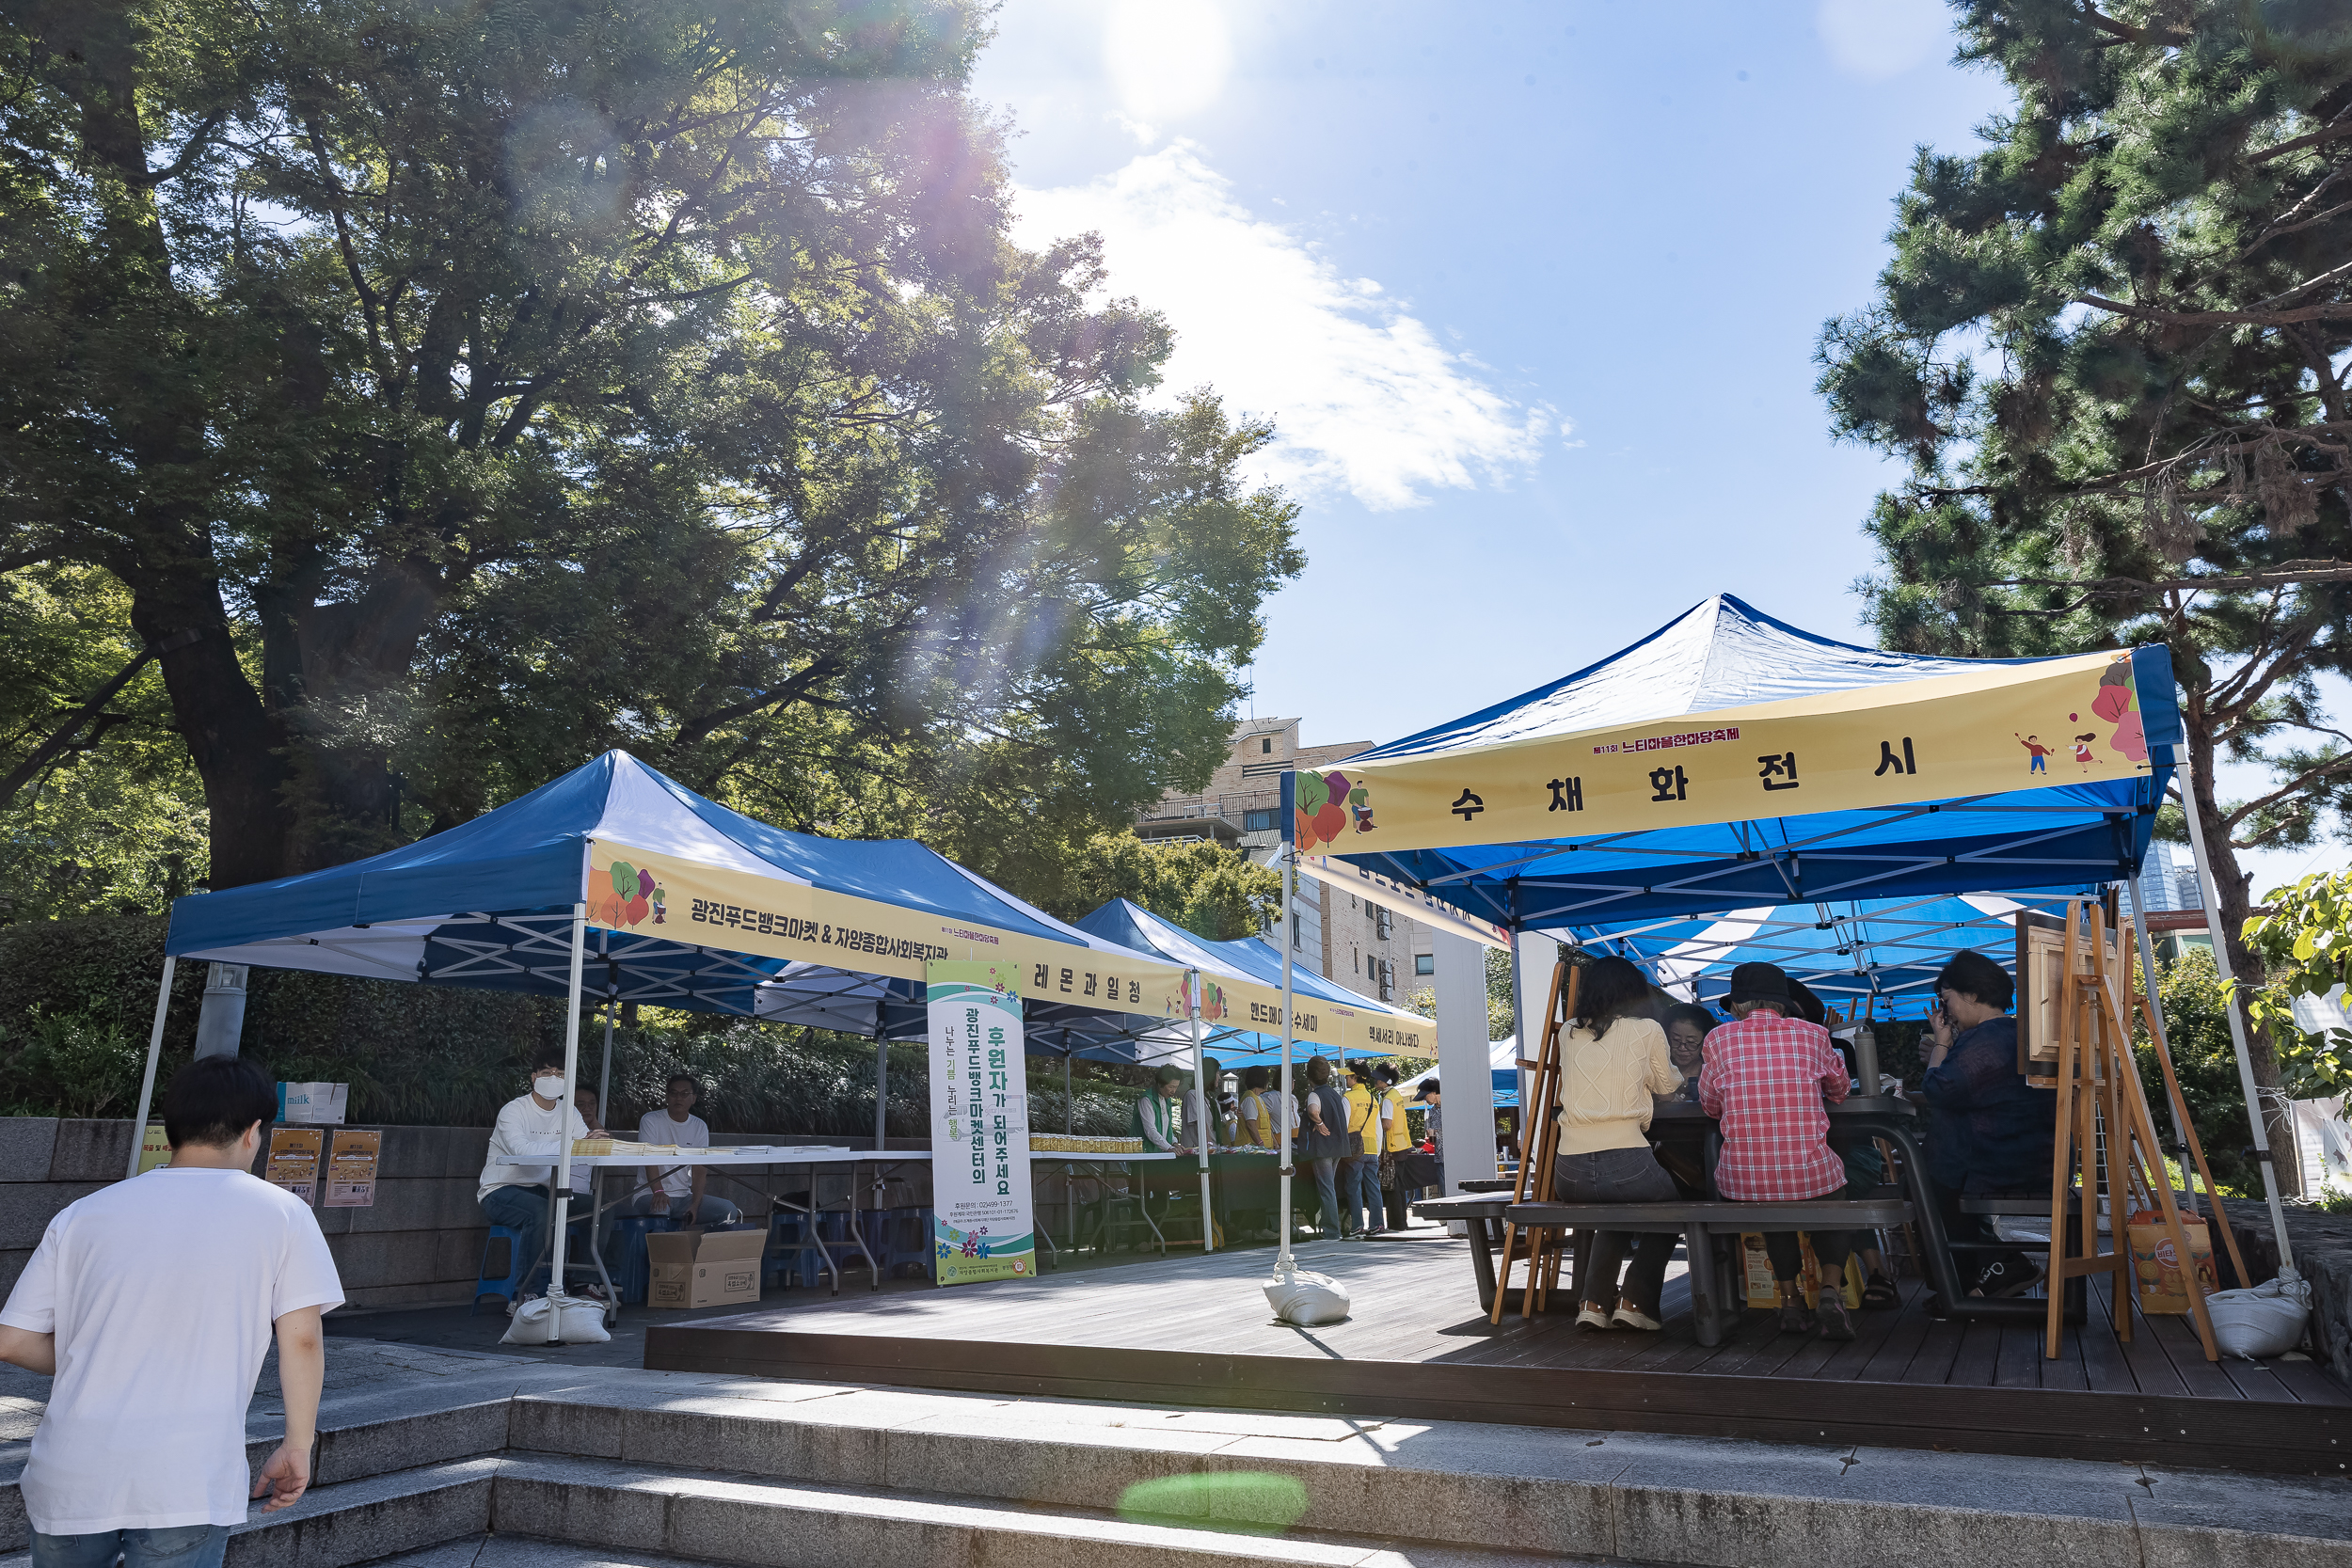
x=1283, y=1263
x=881, y=1090
x=2210, y=889
x=604, y=1081
x=155, y=1049
x=1068, y=1113
x=1200, y=1082
x=563, y=1120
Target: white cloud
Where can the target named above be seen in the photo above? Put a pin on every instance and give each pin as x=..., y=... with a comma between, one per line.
x=1364, y=398
x=1167, y=60
x=1877, y=39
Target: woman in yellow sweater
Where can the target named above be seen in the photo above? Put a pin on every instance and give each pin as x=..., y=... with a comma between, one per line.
x=1612, y=1059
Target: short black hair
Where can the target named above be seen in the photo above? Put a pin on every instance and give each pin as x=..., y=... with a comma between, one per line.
x=1385, y=1072
x=686, y=1078
x=1428, y=1087
x=1171, y=1074
x=1254, y=1078
x=1690, y=1012
x=215, y=1099
x=549, y=1055
x=1973, y=975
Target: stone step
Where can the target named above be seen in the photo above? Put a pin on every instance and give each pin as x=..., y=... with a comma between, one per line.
x=617, y=1509
x=1651, y=1497
x=358, y=1520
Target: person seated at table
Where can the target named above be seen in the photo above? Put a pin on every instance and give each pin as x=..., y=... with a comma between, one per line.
x=1992, y=1132
x=1687, y=1026
x=1612, y=1061
x=1767, y=1077
x=536, y=1122
x=678, y=1191
x=1323, y=1111
x=1157, y=1119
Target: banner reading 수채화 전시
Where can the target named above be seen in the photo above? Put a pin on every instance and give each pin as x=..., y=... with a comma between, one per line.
x=981, y=1227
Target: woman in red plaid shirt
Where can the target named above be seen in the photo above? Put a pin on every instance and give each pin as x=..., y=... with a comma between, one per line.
x=1768, y=1080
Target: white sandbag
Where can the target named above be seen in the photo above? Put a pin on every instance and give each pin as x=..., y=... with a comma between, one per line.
x=2265, y=1320
x=582, y=1324
x=1307, y=1299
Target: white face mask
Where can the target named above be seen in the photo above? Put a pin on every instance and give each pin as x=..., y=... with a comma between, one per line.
x=547, y=1089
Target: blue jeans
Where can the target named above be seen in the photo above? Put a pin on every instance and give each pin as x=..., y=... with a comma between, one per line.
x=523, y=1211
x=1323, y=1169
x=181, y=1546
x=1360, y=1193
x=711, y=1212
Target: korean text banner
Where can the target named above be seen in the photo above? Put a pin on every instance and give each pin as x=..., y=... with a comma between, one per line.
x=771, y=918
x=2012, y=727
x=981, y=1225
x=1402, y=898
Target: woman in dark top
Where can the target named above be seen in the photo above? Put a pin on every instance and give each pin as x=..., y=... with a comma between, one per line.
x=1322, y=1129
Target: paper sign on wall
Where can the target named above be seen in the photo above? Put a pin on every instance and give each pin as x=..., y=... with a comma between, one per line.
x=319, y=1104
x=154, y=1148
x=351, y=1169
x=293, y=1161
x=981, y=1227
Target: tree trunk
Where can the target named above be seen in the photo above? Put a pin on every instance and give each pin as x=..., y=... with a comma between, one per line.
x=2234, y=902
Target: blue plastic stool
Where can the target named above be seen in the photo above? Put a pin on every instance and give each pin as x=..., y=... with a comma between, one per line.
x=633, y=1278
x=518, y=1267
x=793, y=1250
x=906, y=1238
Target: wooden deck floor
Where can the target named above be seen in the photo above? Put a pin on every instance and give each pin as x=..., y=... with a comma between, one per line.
x=1196, y=1330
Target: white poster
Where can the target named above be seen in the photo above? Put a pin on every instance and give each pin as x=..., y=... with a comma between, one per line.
x=981, y=1227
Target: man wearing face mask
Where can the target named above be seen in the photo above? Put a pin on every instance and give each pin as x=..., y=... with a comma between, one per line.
x=533, y=1123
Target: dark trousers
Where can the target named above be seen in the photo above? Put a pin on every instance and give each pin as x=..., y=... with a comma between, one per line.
x=1831, y=1248
x=1617, y=1175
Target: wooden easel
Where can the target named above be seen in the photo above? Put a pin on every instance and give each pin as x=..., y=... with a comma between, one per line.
x=1540, y=1139
x=2144, y=993
x=2098, y=1085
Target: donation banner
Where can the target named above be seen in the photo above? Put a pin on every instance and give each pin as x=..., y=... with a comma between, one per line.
x=981, y=1225
x=700, y=906
x=351, y=1160
x=2029, y=726
x=293, y=1161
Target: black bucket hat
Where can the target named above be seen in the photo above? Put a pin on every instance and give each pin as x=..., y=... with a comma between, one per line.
x=1758, y=983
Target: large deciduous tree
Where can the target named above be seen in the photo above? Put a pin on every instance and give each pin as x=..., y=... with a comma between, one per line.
x=457, y=389
x=2112, y=346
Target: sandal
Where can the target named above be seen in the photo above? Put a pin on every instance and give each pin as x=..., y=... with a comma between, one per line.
x=1880, y=1294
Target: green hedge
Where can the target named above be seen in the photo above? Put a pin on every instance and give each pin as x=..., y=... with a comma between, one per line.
x=77, y=998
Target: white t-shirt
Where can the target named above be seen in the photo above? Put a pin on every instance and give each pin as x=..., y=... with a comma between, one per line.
x=657, y=1127
x=523, y=1128
x=162, y=1291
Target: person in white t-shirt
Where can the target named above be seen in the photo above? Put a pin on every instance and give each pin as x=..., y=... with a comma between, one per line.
x=533, y=1123
x=678, y=1191
x=151, y=1302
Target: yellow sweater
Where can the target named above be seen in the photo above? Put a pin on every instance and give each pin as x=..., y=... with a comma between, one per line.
x=1606, y=1084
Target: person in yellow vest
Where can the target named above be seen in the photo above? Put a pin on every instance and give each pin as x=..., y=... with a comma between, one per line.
x=1261, y=1103
x=1396, y=1138
x=1359, y=1173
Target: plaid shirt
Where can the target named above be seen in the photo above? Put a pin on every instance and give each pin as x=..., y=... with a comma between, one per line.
x=1766, y=1078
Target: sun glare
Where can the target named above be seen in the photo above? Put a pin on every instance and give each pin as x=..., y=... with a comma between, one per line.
x=1168, y=59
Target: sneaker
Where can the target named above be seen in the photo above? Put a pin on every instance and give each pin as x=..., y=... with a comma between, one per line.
x=1590, y=1316
x=1368, y=1235
x=1633, y=1317
x=1794, y=1319
x=2005, y=1277
x=511, y=1305
x=1836, y=1323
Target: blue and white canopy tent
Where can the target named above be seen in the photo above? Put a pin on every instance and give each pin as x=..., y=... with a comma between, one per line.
x=617, y=883
x=1730, y=761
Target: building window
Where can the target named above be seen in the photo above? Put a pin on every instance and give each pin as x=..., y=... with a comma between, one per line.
x=1265, y=746
x=1424, y=964
x=1257, y=821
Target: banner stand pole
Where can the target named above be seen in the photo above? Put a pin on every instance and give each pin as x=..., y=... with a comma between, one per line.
x=563, y=1125
x=155, y=1049
x=1200, y=1087
x=1284, y=1264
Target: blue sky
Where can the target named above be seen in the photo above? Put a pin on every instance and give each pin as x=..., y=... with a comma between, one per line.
x=1530, y=290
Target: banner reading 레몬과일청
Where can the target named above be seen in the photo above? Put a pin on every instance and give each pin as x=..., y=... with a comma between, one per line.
x=981, y=1227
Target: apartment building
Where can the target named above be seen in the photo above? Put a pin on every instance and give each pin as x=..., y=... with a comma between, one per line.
x=1368, y=949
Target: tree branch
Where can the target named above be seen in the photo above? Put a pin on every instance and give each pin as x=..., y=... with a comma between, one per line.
x=2286, y=575
x=188, y=154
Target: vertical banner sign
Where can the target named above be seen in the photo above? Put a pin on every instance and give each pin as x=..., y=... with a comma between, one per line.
x=351, y=1169
x=981, y=1227
x=293, y=1161
x=155, y=1150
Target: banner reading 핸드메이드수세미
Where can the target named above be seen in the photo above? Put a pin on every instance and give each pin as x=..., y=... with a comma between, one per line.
x=981, y=1225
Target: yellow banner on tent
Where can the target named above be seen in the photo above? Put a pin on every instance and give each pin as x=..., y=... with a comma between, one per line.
x=2014, y=727
x=648, y=893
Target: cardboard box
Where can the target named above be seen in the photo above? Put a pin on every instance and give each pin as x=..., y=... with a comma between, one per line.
x=2157, y=1264
x=704, y=1268
x=1762, y=1290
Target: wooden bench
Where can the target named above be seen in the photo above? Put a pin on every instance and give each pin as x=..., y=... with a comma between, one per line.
x=1481, y=1214
x=1711, y=1310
